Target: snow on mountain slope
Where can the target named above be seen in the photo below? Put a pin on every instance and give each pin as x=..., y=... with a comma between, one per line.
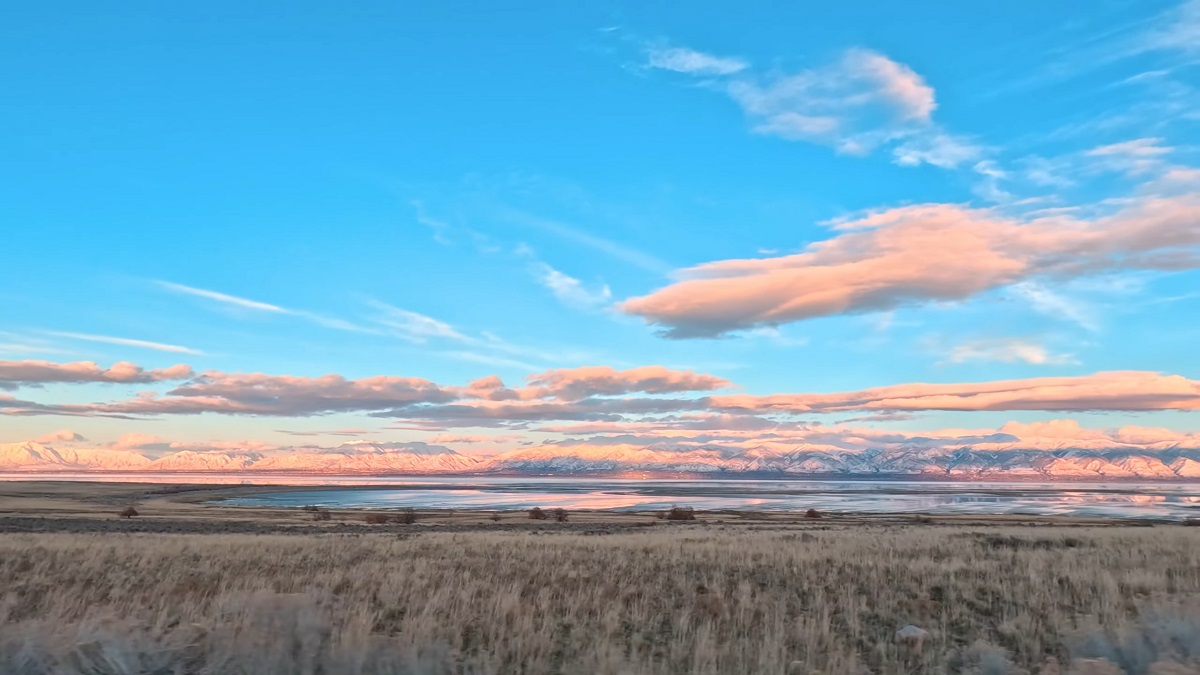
x=191, y=460
x=909, y=460
x=31, y=456
x=369, y=458
x=990, y=461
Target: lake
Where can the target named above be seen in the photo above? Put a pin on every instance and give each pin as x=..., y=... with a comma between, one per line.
x=1174, y=501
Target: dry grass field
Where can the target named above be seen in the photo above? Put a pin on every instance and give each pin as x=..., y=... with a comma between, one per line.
x=816, y=597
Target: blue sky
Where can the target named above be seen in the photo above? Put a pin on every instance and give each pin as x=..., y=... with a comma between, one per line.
x=428, y=190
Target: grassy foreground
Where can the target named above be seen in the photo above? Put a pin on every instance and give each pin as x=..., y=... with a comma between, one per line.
x=667, y=598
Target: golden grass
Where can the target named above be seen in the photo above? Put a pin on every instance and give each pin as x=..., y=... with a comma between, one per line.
x=673, y=598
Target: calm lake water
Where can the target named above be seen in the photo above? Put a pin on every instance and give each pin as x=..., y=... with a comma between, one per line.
x=1174, y=501
x=1124, y=500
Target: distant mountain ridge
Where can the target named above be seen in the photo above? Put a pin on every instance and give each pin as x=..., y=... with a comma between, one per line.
x=993, y=462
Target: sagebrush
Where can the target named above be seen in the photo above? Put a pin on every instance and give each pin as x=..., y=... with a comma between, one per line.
x=674, y=598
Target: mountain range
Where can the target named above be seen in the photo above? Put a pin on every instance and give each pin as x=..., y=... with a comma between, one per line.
x=991, y=462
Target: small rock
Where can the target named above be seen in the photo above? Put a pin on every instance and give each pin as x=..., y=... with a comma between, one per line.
x=1093, y=667
x=912, y=637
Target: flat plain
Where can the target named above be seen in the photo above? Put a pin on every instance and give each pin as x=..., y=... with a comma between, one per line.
x=188, y=586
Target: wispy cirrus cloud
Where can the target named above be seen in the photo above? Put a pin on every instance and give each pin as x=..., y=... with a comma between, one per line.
x=421, y=329
x=1176, y=30
x=126, y=342
x=617, y=250
x=1055, y=305
x=569, y=290
x=413, y=326
x=222, y=298
x=863, y=101
x=692, y=62
x=1007, y=350
x=246, y=304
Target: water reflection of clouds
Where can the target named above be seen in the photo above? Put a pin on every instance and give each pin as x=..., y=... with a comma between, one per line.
x=1144, y=500
x=1135, y=500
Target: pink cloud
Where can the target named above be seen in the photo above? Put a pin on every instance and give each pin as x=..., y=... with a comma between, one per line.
x=475, y=439
x=60, y=436
x=1116, y=390
x=135, y=441
x=654, y=396
x=578, y=383
x=284, y=395
x=895, y=82
x=15, y=373
x=916, y=254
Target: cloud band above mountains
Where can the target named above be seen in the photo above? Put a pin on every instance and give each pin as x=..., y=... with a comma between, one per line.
x=25, y=373
x=586, y=394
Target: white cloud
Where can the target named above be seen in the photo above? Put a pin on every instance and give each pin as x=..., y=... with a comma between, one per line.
x=1177, y=30
x=255, y=305
x=492, y=360
x=683, y=60
x=415, y=327
x=1007, y=350
x=608, y=247
x=568, y=289
x=1047, y=302
x=127, y=342
x=857, y=104
x=938, y=149
x=420, y=329
x=223, y=298
x=1137, y=157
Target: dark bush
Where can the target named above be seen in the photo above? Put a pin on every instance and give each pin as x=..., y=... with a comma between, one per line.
x=322, y=514
x=128, y=512
x=560, y=515
x=376, y=518
x=496, y=517
x=681, y=513
x=310, y=508
x=812, y=513
x=407, y=517
x=536, y=513
x=1191, y=522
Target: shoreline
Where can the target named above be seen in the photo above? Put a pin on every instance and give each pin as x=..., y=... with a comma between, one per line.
x=717, y=477
x=184, y=505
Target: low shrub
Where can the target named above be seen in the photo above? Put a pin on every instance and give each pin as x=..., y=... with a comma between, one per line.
x=536, y=513
x=680, y=513
x=407, y=517
x=321, y=515
x=376, y=518
x=812, y=513
x=128, y=512
x=560, y=515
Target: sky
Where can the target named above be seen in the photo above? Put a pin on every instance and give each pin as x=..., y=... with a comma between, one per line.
x=261, y=226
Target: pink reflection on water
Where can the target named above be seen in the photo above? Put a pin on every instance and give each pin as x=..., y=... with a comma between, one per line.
x=1135, y=500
